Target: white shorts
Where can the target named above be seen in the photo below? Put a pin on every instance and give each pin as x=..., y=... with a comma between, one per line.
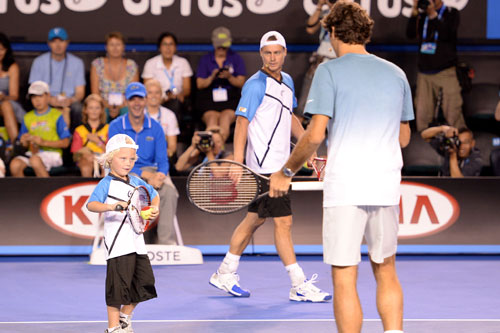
x=345, y=226
x=50, y=159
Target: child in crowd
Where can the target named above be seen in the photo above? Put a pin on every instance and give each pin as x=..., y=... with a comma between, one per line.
x=44, y=132
x=129, y=278
x=162, y=115
x=89, y=139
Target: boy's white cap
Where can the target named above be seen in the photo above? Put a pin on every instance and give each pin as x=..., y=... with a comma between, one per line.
x=120, y=141
x=280, y=40
x=38, y=88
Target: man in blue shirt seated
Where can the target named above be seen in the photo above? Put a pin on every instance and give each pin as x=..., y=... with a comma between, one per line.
x=461, y=157
x=152, y=162
x=65, y=75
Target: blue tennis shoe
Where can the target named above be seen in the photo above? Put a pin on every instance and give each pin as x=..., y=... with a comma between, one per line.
x=308, y=292
x=229, y=283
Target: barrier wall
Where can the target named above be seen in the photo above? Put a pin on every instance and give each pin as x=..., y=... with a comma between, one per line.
x=48, y=216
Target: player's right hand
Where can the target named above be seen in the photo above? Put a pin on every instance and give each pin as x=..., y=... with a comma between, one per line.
x=235, y=172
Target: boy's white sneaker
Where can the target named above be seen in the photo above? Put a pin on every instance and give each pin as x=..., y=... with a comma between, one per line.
x=116, y=329
x=229, y=283
x=308, y=292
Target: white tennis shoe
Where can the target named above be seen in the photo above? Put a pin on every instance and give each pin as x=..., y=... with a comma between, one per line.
x=116, y=329
x=229, y=283
x=308, y=292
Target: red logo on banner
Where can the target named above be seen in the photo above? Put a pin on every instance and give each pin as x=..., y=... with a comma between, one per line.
x=425, y=210
x=65, y=210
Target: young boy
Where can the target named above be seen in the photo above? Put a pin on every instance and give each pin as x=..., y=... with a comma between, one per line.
x=129, y=278
x=44, y=132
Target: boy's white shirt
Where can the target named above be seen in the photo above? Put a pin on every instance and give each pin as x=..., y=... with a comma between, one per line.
x=127, y=241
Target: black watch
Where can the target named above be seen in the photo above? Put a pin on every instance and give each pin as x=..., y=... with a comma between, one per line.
x=287, y=172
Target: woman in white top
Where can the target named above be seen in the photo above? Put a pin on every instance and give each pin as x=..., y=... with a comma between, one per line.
x=173, y=72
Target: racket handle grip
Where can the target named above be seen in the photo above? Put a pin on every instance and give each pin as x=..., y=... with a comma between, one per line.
x=119, y=208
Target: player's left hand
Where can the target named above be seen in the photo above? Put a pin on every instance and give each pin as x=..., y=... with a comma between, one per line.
x=279, y=184
x=154, y=212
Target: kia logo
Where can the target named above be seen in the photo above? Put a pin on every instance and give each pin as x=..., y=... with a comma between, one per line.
x=66, y=210
x=425, y=210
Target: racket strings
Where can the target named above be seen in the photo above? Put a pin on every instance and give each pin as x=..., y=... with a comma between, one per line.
x=213, y=190
x=138, y=200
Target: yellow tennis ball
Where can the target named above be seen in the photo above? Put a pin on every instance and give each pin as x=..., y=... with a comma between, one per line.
x=146, y=213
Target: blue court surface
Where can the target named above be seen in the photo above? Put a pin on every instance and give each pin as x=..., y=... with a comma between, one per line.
x=65, y=294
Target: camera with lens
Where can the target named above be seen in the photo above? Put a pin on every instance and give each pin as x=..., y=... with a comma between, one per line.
x=445, y=144
x=206, y=141
x=423, y=4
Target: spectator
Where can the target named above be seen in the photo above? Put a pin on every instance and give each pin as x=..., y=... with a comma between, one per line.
x=11, y=111
x=3, y=157
x=89, y=139
x=165, y=117
x=44, y=132
x=205, y=146
x=436, y=27
x=110, y=75
x=65, y=75
x=220, y=76
x=152, y=162
x=324, y=52
x=461, y=157
x=173, y=72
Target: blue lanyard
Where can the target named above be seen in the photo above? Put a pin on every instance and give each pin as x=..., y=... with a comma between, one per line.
x=426, y=23
x=170, y=78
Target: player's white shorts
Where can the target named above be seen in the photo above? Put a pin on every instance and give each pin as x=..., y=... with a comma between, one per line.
x=50, y=159
x=345, y=226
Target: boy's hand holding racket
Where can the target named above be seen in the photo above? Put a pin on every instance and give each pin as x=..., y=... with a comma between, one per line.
x=119, y=206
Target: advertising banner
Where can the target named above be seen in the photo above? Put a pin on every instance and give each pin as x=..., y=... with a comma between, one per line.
x=52, y=212
x=142, y=21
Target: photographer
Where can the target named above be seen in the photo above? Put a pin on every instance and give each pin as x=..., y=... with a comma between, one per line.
x=435, y=25
x=461, y=157
x=205, y=146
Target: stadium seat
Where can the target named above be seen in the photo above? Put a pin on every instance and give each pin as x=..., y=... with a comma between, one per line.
x=495, y=162
x=479, y=106
x=420, y=159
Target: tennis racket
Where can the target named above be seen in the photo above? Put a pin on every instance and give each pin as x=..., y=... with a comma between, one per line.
x=318, y=165
x=224, y=186
x=138, y=201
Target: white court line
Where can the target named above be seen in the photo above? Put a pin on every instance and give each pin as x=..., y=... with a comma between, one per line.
x=239, y=320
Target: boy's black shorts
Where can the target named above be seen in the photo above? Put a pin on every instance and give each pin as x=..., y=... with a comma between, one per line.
x=129, y=279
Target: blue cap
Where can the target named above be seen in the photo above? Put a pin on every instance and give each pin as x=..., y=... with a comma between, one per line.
x=58, y=32
x=135, y=89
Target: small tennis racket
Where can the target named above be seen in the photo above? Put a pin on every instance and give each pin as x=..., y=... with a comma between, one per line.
x=224, y=186
x=318, y=165
x=138, y=201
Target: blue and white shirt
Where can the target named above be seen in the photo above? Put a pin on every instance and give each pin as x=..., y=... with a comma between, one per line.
x=111, y=190
x=267, y=104
x=366, y=98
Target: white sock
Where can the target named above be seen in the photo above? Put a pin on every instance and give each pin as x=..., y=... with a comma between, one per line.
x=394, y=331
x=124, y=315
x=296, y=274
x=229, y=264
x=112, y=329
